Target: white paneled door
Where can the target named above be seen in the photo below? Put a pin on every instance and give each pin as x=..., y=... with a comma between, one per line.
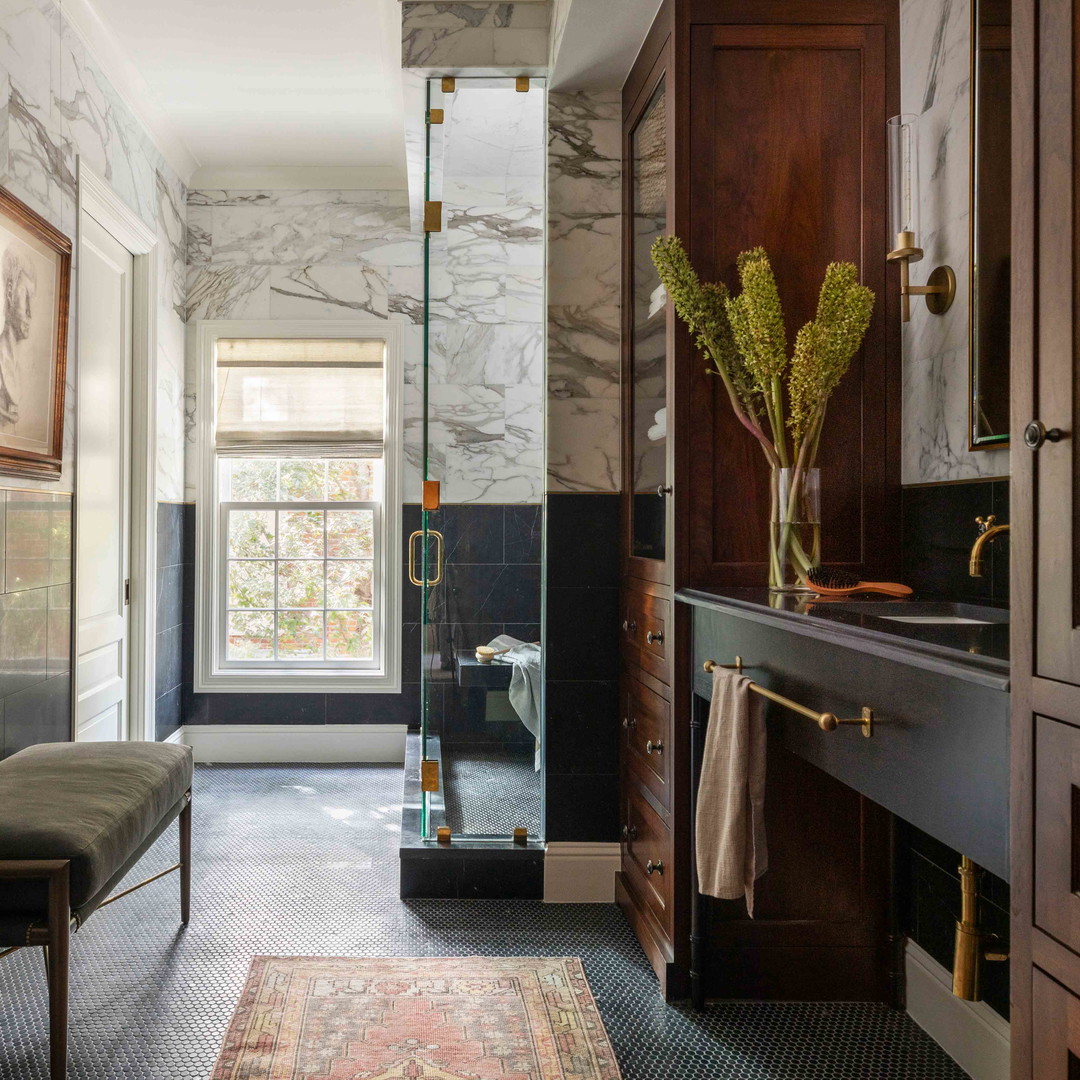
x=103, y=485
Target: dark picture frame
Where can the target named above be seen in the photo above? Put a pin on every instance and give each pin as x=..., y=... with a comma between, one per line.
x=35, y=298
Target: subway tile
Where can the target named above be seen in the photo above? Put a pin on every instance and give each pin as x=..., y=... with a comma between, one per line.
x=40, y=713
x=582, y=727
x=582, y=807
x=523, y=532
x=583, y=540
x=58, y=634
x=170, y=596
x=170, y=671
x=168, y=717
x=265, y=709
x=24, y=620
x=170, y=534
x=582, y=634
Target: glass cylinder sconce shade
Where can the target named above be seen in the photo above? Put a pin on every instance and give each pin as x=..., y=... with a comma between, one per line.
x=903, y=143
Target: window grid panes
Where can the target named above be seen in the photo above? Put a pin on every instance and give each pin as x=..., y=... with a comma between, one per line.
x=300, y=573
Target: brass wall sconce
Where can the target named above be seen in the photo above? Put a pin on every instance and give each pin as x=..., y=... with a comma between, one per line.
x=940, y=288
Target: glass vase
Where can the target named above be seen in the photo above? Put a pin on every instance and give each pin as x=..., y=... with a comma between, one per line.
x=794, y=528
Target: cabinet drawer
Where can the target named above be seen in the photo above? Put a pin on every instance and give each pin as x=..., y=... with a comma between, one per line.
x=1057, y=830
x=645, y=633
x=1055, y=1030
x=647, y=856
x=647, y=727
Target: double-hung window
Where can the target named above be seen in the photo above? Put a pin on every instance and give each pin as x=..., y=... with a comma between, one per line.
x=298, y=510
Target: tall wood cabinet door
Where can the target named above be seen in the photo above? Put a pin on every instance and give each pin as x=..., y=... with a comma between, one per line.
x=1058, y=469
x=1056, y=1034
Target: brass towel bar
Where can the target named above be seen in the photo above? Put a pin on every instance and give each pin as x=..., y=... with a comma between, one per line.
x=826, y=721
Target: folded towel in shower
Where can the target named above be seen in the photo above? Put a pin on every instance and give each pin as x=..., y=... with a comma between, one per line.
x=730, y=825
x=524, y=682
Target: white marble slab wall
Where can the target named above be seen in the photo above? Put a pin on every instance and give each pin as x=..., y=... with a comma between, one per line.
x=584, y=269
x=59, y=105
x=494, y=37
x=935, y=44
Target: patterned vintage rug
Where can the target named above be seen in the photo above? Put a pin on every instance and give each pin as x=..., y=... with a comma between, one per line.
x=456, y=1018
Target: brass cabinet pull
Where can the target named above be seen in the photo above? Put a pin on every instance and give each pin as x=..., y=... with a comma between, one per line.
x=654, y=747
x=663, y=489
x=654, y=638
x=629, y=625
x=629, y=722
x=654, y=867
x=629, y=832
x=438, y=557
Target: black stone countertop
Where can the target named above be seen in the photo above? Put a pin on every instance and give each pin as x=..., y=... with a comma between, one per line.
x=977, y=652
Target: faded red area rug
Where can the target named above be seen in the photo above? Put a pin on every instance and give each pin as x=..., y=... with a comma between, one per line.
x=426, y=1018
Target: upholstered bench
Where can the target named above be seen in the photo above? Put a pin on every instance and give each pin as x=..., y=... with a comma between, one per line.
x=74, y=819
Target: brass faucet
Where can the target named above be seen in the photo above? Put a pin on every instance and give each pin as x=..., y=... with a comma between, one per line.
x=987, y=531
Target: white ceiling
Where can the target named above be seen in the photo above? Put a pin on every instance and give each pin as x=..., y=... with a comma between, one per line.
x=252, y=85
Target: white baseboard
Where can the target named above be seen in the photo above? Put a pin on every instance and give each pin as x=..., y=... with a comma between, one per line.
x=176, y=737
x=580, y=873
x=296, y=742
x=970, y=1032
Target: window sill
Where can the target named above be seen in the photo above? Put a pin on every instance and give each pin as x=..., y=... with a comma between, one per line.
x=297, y=682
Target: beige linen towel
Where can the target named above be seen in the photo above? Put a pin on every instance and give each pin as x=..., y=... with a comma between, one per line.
x=731, y=851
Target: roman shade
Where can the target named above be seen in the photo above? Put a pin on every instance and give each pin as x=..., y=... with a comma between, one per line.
x=292, y=397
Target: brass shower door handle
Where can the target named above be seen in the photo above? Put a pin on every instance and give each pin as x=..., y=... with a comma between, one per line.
x=438, y=557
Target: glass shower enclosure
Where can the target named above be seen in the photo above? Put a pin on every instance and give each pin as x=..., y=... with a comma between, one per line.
x=478, y=555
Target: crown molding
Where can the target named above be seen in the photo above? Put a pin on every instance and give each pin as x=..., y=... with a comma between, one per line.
x=117, y=66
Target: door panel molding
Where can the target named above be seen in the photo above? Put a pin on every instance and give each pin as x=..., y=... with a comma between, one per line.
x=97, y=199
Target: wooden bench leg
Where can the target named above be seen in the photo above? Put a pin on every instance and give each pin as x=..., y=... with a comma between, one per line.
x=57, y=955
x=185, y=862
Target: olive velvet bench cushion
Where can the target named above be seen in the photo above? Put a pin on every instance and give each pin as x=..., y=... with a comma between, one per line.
x=74, y=819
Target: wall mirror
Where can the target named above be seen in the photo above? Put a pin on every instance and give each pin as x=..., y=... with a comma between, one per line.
x=991, y=91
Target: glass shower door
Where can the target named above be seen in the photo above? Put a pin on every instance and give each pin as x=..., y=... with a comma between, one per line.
x=482, y=402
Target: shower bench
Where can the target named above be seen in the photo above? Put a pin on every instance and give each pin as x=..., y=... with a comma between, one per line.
x=74, y=819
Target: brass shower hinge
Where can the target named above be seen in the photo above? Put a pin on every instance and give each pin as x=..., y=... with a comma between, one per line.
x=429, y=774
x=442, y=834
x=521, y=836
x=521, y=84
x=449, y=84
x=435, y=116
x=432, y=498
x=432, y=216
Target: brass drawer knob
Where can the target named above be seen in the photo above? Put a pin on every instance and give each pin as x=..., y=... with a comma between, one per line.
x=654, y=867
x=629, y=832
x=654, y=638
x=1036, y=433
x=629, y=626
x=629, y=722
x=654, y=747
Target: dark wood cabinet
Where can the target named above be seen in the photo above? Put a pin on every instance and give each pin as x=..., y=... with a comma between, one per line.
x=745, y=123
x=1045, y=736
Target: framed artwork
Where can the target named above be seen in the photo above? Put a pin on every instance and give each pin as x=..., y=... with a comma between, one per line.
x=35, y=280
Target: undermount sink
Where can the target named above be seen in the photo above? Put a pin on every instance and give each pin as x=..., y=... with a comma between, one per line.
x=938, y=620
x=929, y=613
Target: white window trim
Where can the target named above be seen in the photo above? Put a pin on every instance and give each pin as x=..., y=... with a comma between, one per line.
x=210, y=675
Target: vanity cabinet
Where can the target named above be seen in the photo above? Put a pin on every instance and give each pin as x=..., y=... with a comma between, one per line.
x=717, y=96
x=1045, y=567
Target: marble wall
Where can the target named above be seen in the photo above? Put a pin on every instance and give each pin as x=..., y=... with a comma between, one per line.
x=479, y=36
x=935, y=43
x=58, y=105
x=584, y=270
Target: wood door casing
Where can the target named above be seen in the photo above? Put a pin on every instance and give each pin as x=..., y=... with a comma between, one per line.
x=788, y=153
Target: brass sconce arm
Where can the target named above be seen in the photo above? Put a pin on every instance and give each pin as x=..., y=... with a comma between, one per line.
x=940, y=289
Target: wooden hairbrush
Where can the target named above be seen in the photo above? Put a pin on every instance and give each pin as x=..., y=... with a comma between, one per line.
x=828, y=581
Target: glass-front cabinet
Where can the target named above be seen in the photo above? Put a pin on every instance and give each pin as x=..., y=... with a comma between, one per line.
x=648, y=467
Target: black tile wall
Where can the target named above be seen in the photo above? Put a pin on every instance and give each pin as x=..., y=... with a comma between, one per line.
x=173, y=572
x=492, y=586
x=35, y=619
x=933, y=906
x=582, y=667
x=938, y=531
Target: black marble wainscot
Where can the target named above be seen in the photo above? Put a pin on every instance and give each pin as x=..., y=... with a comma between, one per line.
x=175, y=567
x=938, y=530
x=582, y=674
x=35, y=619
